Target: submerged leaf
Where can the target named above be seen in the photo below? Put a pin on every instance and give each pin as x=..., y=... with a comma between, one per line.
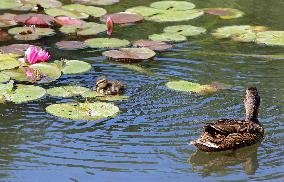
x=106, y=42
x=83, y=111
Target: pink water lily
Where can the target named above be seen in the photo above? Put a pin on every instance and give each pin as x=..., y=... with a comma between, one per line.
x=34, y=55
x=109, y=24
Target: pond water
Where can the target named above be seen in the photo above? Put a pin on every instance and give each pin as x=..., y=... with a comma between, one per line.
x=147, y=141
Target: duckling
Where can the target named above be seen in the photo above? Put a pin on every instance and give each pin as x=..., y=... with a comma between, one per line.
x=230, y=134
x=112, y=87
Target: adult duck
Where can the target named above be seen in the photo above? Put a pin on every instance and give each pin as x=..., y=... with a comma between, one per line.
x=230, y=134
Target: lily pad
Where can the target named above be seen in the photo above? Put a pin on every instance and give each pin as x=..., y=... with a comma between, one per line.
x=271, y=38
x=7, y=20
x=90, y=10
x=6, y=88
x=25, y=93
x=229, y=31
x=90, y=28
x=15, y=49
x=185, y=30
x=71, y=45
x=174, y=16
x=65, y=12
x=10, y=4
x=106, y=42
x=49, y=70
x=153, y=45
x=144, y=11
x=130, y=54
x=66, y=20
x=123, y=17
x=83, y=111
x=225, y=13
x=96, y=2
x=167, y=37
x=75, y=67
x=173, y=5
x=8, y=62
x=29, y=33
x=67, y=91
x=31, y=4
x=34, y=19
x=4, y=77
x=4, y=36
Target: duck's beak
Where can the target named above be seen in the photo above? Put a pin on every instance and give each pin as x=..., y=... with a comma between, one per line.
x=109, y=24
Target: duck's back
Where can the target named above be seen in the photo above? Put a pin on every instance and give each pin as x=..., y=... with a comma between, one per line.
x=228, y=134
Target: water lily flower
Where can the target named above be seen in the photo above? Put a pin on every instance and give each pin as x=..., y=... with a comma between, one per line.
x=35, y=55
x=109, y=24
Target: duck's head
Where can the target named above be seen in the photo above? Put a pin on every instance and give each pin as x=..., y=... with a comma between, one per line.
x=101, y=82
x=252, y=102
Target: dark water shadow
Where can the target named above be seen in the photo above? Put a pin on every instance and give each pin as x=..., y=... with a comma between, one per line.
x=222, y=162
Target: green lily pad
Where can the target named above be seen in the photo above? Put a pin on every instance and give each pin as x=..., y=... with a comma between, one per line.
x=144, y=11
x=245, y=37
x=186, y=86
x=65, y=12
x=71, y=45
x=75, y=67
x=7, y=20
x=185, y=30
x=6, y=88
x=106, y=42
x=90, y=28
x=96, y=2
x=28, y=5
x=173, y=5
x=28, y=33
x=225, y=13
x=8, y=62
x=271, y=38
x=67, y=91
x=50, y=70
x=174, y=16
x=4, y=77
x=167, y=37
x=25, y=93
x=90, y=10
x=130, y=54
x=229, y=31
x=10, y=4
x=83, y=111
x=94, y=94
x=153, y=45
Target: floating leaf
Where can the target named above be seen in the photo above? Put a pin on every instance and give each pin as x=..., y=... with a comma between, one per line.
x=6, y=88
x=34, y=19
x=67, y=91
x=185, y=30
x=173, y=16
x=75, y=67
x=15, y=48
x=50, y=71
x=71, y=45
x=10, y=4
x=4, y=36
x=225, y=13
x=29, y=33
x=229, y=31
x=8, y=62
x=130, y=54
x=95, y=2
x=167, y=37
x=144, y=11
x=25, y=93
x=83, y=111
x=271, y=38
x=90, y=10
x=173, y=5
x=123, y=17
x=65, y=12
x=84, y=29
x=4, y=77
x=31, y=4
x=65, y=20
x=153, y=45
x=106, y=42
x=7, y=20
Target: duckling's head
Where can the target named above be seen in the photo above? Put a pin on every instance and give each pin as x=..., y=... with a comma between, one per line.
x=101, y=82
x=252, y=102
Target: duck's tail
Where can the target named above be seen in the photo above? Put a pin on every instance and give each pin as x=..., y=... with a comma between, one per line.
x=198, y=143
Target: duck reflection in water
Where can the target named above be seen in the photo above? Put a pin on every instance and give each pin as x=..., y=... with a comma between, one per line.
x=221, y=162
